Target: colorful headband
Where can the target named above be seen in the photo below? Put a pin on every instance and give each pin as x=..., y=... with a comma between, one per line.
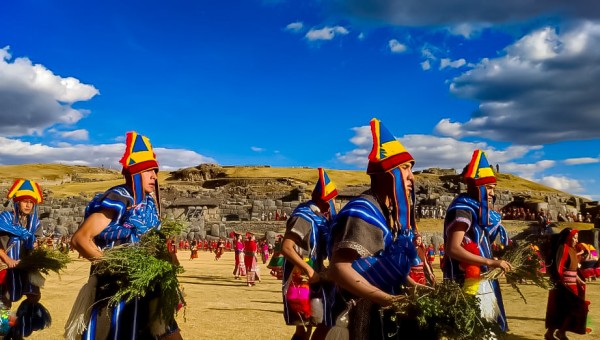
x=25, y=189
x=387, y=152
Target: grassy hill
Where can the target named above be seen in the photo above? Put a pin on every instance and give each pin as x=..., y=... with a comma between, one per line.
x=70, y=180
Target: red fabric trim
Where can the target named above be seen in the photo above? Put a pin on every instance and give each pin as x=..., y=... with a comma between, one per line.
x=481, y=181
x=389, y=163
x=375, y=148
x=25, y=197
x=140, y=167
x=13, y=187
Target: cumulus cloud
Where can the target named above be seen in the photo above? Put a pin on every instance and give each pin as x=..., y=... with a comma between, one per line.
x=80, y=134
x=425, y=65
x=467, y=30
x=543, y=90
x=295, y=27
x=528, y=171
x=257, y=149
x=446, y=62
x=442, y=152
x=562, y=183
x=442, y=12
x=325, y=33
x=396, y=47
x=581, y=160
x=14, y=151
x=33, y=98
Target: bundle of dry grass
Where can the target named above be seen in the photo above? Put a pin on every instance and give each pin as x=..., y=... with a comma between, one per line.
x=446, y=311
x=526, y=265
x=44, y=261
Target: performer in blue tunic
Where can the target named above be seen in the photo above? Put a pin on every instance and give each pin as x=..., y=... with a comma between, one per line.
x=371, y=244
x=122, y=215
x=471, y=223
x=304, y=247
x=19, y=230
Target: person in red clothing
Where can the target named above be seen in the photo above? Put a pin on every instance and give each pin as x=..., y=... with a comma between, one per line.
x=250, y=249
x=239, y=269
x=567, y=308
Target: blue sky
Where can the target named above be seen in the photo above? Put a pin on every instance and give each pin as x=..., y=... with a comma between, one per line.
x=295, y=83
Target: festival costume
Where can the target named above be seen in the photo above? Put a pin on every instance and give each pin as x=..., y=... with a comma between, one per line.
x=566, y=301
x=250, y=249
x=17, y=241
x=276, y=263
x=484, y=225
x=135, y=213
x=239, y=269
x=308, y=225
x=385, y=251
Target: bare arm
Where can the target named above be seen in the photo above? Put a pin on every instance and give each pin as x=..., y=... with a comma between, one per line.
x=83, y=239
x=287, y=249
x=343, y=274
x=455, y=250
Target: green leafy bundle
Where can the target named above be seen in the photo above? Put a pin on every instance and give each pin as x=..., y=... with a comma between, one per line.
x=143, y=268
x=526, y=265
x=446, y=310
x=171, y=228
x=44, y=261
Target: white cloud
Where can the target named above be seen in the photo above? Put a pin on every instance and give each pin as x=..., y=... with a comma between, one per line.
x=432, y=151
x=325, y=33
x=396, y=47
x=14, y=151
x=446, y=62
x=543, y=77
x=80, y=134
x=468, y=30
x=562, y=183
x=361, y=36
x=425, y=65
x=295, y=27
x=527, y=171
x=581, y=160
x=256, y=149
x=32, y=98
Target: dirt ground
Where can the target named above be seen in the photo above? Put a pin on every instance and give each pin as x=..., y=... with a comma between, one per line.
x=220, y=307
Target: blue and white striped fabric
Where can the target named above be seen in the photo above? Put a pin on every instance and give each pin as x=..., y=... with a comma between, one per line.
x=388, y=268
x=130, y=222
x=21, y=238
x=319, y=224
x=365, y=210
x=128, y=225
x=482, y=235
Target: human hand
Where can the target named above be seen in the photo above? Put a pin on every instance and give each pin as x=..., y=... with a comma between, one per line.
x=313, y=276
x=504, y=265
x=10, y=262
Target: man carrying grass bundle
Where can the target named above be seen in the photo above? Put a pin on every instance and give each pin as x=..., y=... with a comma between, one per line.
x=120, y=216
x=470, y=228
x=18, y=232
x=371, y=247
